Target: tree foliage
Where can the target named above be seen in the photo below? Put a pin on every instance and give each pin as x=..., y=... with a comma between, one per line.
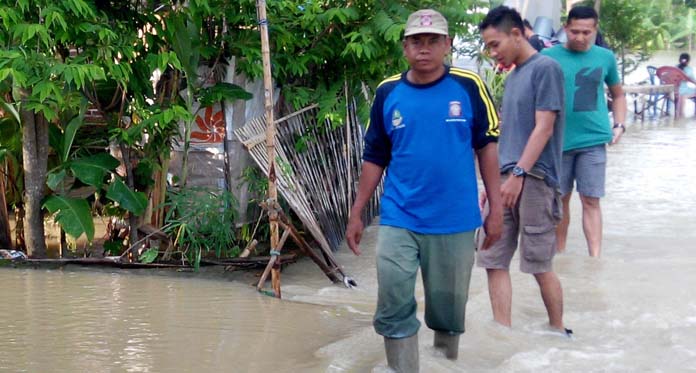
x=131, y=59
x=626, y=26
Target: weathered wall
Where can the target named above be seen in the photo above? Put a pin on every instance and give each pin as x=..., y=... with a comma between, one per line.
x=216, y=158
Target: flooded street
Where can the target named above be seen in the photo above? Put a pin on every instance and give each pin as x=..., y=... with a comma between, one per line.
x=632, y=310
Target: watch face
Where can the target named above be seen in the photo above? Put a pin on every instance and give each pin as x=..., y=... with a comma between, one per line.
x=517, y=171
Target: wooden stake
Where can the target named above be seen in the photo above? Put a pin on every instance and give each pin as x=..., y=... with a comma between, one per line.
x=272, y=263
x=270, y=142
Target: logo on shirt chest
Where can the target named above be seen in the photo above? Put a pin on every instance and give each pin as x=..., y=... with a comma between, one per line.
x=397, y=120
x=455, y=112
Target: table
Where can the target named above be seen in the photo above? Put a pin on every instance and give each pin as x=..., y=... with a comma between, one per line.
x=650, y=97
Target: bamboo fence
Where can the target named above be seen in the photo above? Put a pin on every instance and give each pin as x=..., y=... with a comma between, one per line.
x=319, y=178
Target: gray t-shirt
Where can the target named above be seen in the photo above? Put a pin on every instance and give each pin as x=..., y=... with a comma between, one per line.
x=535, y=85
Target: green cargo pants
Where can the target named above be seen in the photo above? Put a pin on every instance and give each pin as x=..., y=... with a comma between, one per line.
x=445, y=261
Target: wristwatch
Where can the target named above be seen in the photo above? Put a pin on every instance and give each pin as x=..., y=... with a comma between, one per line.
x=518, y=171
x=620, y=125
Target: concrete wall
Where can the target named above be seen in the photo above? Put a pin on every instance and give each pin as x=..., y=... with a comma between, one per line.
x=216, y=158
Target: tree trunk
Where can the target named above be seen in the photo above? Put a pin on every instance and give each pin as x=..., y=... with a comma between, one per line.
x=132, y=219
x=20, y=242
x=34, y=159
x=5, y=232
x=159, y=194
x=183, y=178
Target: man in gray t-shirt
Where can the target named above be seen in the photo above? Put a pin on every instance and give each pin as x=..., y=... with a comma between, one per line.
x=534, y=85
x=530, y=147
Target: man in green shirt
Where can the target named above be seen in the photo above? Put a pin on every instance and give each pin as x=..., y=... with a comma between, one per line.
x=586, y=69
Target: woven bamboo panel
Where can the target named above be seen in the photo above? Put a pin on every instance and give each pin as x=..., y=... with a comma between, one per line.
x=319, y=177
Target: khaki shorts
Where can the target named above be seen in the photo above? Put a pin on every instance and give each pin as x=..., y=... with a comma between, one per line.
x=533, y=223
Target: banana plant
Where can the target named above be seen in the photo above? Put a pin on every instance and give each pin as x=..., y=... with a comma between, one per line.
x=96, y=170
x=687, y=27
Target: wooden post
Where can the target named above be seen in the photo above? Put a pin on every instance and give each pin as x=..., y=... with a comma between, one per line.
x=270, y=143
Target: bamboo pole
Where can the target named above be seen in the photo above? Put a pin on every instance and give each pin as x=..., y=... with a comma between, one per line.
x=347, y=153
x=270, y=143
x=271, y=263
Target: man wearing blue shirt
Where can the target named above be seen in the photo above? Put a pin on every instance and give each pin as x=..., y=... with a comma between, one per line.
x=426, y=124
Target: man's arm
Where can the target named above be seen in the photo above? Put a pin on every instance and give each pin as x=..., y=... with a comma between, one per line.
x=619, y=110
x=543, y=130
x=490, y=173
x=370, y=177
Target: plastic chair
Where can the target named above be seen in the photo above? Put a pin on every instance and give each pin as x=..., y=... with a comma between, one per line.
x=675, y=76
x=656, y=101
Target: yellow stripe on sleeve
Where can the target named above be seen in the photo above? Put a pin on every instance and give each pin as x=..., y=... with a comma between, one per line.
x=493, y=128
x=390, y=79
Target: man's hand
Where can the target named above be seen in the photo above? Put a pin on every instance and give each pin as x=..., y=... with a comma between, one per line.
x=483, y=198
x=354, y=232
x=493, y=228
x=510, y=190
x=616, y=135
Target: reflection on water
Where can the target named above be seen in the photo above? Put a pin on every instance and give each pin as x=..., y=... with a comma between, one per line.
x=633, y=310
x=83, y=321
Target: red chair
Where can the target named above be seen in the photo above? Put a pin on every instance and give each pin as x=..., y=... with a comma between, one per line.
x=675, y=76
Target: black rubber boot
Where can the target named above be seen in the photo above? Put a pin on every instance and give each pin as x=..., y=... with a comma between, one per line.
x=402, y=353
x=447, y=343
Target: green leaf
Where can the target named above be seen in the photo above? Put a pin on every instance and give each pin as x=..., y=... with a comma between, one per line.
x=71, y=131
x=114, y=247
x=149, y=256
x=223, y=91
x=55, y=178
x=4, y=73
x=72, y=214
x=393, y=33
x=185, y=44
x=91, y=170
x=10, y=109
x=133, y=201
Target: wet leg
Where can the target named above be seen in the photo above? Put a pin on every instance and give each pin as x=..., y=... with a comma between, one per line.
x=552, y=294
x=562, y=228
x=500, y=292
x=592, y=224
